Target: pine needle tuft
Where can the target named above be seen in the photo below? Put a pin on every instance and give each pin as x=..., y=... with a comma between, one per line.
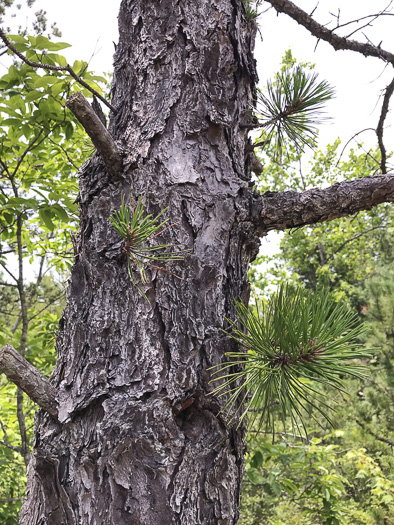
x=290, y=348
x=138, y=231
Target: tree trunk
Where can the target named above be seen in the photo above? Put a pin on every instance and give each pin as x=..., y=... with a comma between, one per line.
x=138, y=441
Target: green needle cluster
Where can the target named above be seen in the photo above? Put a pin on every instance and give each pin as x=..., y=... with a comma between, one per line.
x=293, y=107
x=289, y=348
x=138, y=231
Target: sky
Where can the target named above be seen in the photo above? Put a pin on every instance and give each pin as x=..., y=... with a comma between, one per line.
x=91, y=27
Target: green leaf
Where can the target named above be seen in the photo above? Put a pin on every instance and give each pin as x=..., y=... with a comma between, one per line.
x=69, y=130
x=46, y=217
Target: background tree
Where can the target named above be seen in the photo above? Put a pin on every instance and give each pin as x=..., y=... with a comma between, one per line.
x=341, y=475
x=38, y=218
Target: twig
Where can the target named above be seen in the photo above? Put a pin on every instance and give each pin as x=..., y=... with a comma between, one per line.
x=351, y=138
x=384, y=440
x=376, y=15
x=353, y=238
x=8, y=271
x=5, y=443
x=67, y=68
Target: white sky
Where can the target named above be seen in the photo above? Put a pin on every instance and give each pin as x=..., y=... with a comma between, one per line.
x=91, y=27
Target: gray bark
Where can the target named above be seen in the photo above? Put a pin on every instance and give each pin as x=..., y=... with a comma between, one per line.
x=291, y=209
x=138, y=439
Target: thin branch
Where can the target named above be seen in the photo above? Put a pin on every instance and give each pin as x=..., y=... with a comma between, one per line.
x=323, y=33
x=28, y=378
x=291, y=209
x=8, y=271
x=377, y=15
x=64, y=151
x=10, y=500
x=353, y=238
x=47, y=306
x=379, y=438
x=4, y=442
x=2, y=283
x=96, y=130
x=29, y=148
x=282, y=434
x=351, y=138
x=67, y=68
x=379, y=130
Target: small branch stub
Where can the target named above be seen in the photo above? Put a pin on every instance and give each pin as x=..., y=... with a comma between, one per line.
x=99, y=135
x=29, y=379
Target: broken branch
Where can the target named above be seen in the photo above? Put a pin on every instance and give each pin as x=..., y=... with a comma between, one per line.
x=28, y=378
x=96, y=130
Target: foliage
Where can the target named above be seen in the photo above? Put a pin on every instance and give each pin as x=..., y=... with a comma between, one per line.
x=137, y=231
x=293, y=482
x=289, y=346
x=352, y=258
x=252, y=8
x=42, y=146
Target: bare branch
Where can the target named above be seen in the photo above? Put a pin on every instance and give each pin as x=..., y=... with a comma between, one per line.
x=379, y=438
x=383, y=12
x=8, y=271
x=351, y=138
x=323, y=33
x=379, y=130
x=100, y=136
x=67, y=68
x=354, y=238
x=28, y=378
x=291, y=209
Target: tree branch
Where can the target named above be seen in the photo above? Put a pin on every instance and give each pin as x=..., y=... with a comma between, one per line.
x=354, y=238
x=67, y=68
x=323, y=33
x=379, y=130
x=96, y=130
x=29, y=379
x=382, y=439
x=5, y=443
x=291, y=209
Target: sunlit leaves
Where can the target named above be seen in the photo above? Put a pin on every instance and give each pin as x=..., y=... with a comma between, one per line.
x=41, y=147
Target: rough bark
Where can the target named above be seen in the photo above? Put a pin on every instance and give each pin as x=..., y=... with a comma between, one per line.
x=138, y=439
x=291, y=209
